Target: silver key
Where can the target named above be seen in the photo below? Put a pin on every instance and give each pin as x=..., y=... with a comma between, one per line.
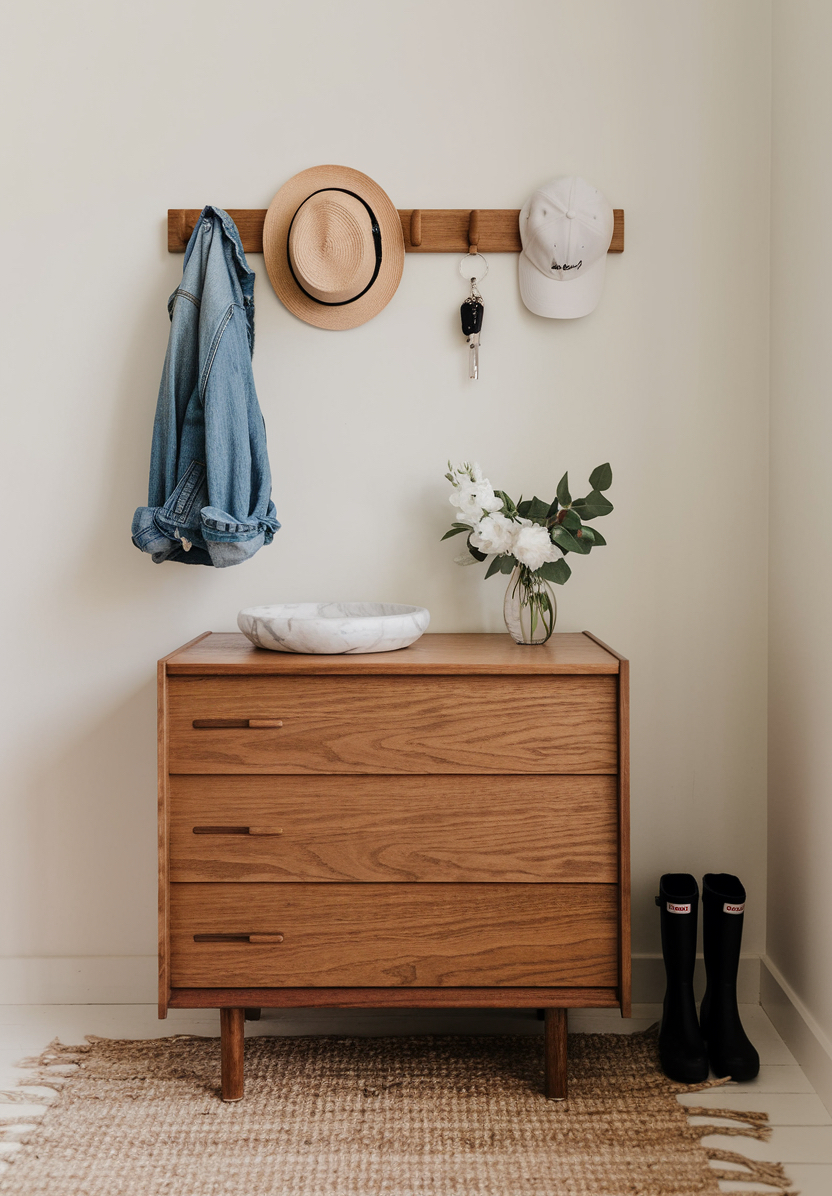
x=474, y=356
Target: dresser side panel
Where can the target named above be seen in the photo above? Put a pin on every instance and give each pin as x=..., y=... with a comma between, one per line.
x=625, y=948
x=163, y=836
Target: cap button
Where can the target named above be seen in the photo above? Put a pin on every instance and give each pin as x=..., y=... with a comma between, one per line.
x=570, y=215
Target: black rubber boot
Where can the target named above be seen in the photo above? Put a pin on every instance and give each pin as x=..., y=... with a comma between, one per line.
x=730, y=1052
x=681, y=1048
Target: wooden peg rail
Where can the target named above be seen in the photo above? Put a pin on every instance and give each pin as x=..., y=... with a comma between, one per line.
x=426, y=230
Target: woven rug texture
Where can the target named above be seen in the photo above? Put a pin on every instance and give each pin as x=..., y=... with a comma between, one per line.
x=449, y=1116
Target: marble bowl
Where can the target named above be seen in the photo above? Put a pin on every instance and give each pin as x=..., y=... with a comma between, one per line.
x=326, y=628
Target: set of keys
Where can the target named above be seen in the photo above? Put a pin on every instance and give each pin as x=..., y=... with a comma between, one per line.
x=472, y=310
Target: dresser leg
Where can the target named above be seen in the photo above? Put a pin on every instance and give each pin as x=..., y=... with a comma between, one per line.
x=232, y=1031
x=555, y=1052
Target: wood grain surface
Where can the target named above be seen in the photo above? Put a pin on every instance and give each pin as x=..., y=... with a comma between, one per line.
x=624, y=880
x=162, y=825
x=409, y=828
x=555, y=1049
x=449, y=655
x=395, y=998
x=396, y=935
x=443, y=230
x=396, y=725
x=232, y=1046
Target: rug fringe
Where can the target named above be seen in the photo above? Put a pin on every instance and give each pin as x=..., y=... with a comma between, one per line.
x=753, y=1124
x=759, y=1172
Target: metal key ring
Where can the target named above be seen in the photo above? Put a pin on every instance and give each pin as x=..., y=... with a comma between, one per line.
x=469, y=271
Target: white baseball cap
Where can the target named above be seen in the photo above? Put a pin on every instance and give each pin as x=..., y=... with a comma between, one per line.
x=565, y=228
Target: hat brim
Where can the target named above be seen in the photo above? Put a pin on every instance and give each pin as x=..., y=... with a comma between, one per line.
x=275, y=247
x=562, y=300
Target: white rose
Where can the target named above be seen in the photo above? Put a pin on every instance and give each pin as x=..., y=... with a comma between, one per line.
x=532, y=547
x=494, y=534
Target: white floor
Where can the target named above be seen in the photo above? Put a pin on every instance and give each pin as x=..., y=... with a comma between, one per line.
x=802, y=1137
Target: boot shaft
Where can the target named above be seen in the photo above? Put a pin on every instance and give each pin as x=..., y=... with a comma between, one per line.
x=679, y=905
x=723, y=915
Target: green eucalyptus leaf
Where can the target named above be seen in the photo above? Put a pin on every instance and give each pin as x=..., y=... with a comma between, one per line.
x=455, y=531
x=493, y=568
x=593, y=506
x=523, y=507
x=564, y=497
x=556, y=571
x=553, y=509
x=571, y=520
x=598, y=538
x=508, y=503
x=601, y=477
x=538, y=510
x=567, y=542
x=507, y=563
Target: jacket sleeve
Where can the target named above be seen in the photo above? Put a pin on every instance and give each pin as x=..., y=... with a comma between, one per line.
x=240, y=516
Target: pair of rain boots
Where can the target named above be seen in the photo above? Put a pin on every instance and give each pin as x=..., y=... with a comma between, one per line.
x=686, y=1045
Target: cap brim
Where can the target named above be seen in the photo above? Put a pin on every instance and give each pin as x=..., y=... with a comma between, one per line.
x=562, y=300
x=275, y=249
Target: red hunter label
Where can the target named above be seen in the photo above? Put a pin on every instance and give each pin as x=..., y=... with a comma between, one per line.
x=678, y=909
x=733, y=909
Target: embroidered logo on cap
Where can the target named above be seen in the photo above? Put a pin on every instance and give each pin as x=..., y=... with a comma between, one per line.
x=678, y=909
x=733, y=909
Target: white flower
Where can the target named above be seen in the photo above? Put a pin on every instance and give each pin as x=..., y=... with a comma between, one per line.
x=473, y=493
x=532, y=547
x=474, y=498
x=494, y=534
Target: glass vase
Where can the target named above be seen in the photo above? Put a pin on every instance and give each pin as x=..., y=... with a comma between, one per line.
x=530, y=607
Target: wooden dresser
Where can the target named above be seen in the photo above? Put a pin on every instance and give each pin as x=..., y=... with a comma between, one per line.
x=446, y=825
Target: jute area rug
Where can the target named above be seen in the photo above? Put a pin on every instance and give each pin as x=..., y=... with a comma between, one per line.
x=370, y=1116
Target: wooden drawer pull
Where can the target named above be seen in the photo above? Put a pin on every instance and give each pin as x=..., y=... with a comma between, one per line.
x=238, y=830
x=238, y=938
x=220, y=724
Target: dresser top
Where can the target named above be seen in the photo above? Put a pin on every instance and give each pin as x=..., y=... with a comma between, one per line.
x=566, y=652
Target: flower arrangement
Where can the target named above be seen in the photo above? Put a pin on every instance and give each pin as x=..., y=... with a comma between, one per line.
x=528, y=539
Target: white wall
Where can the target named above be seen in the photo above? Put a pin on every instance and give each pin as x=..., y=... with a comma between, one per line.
x=800, y=736
x=118, y=112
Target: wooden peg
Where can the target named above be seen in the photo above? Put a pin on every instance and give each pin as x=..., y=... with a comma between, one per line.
x=473, y=230
x=416, y=227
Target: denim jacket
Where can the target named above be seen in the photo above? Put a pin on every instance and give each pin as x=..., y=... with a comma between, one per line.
x=209, y=499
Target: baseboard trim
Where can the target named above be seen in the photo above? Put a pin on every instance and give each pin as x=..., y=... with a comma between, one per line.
x=131, y=980
x=801, y=1033
x=649, y=979
x=78, y=980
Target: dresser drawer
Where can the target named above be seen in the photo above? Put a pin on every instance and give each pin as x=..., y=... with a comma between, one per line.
x=406, y=828
x=482, y=724
x=398, y=935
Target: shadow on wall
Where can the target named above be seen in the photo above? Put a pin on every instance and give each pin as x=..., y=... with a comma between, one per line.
x=88, y=835
x=110, y=567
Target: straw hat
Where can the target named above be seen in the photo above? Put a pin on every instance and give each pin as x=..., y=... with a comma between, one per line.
x=333, y=246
